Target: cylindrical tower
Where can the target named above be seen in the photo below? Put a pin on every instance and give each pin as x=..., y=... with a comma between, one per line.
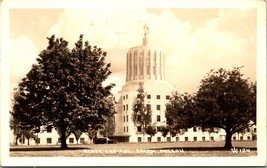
x=145, y=62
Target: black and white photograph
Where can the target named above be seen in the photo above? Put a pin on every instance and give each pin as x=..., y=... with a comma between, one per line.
x=121, y=83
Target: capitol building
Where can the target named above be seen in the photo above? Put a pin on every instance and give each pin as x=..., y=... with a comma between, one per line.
x=146, y=65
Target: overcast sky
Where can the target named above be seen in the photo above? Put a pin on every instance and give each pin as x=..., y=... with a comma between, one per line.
x=195, y=40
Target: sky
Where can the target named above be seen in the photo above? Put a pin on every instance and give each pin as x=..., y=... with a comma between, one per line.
x=195, y=40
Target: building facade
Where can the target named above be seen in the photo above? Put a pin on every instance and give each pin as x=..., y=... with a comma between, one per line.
x=146, y=65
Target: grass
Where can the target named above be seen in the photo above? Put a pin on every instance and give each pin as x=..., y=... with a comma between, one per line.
x=171, y=149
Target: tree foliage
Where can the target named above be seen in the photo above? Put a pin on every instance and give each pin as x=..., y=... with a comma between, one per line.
x=21, y=133
x=141, y=114
x=77, y=133
x=164, y=130
x=225, y=100
x=180, y=113
x=151, y=130
x=64, y=89
x=109, y=126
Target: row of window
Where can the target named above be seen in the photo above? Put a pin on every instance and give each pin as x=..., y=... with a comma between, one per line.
x=125, y=118
x=49, y=140
x=124, y=97
x=148, y=106
x=139, y=139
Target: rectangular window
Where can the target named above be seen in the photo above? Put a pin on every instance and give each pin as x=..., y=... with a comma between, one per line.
x=139, y=139
x=248, y=129
x=212, y=138
x=126, y=106
x=127, y=118
x=123, y=97
x=194, y=129
x=148, y=96
x=127, y=129
x=203, y=139
x=158, y=96
x=234, y=138
x=195, y=138
x=248, y=138
x=139, y=129
x=158, y=128
x=158, y=118
x=123, y=107
x=186, y=129
x=158, y=107
x=82, y=141
x=59, y=140
x=168, y=139
x=255, y=130
x=241, y=138
x=159, y=139
x=48, y=140
x=123, y=118
x=148, y=139
x=185, y=138
x=71, y=140
x=123, y=129
x=167, y=97
x=126, y=96
x=177, y=139
x=49, y=129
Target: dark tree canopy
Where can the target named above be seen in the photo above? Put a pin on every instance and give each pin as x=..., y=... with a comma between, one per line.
x=180, y=113
x=64, y=89
x=151, y=130
x=164, y=130
x=226, y=100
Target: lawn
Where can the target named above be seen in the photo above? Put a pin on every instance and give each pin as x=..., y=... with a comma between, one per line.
x=184, y=149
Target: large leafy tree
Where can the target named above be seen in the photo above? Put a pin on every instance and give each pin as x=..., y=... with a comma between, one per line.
x=180, y=113
x=226, y=100
x=64, y=89
x=141, y=115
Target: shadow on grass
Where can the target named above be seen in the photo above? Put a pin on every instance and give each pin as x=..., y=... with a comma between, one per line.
x=46, y=148
x=201, y=148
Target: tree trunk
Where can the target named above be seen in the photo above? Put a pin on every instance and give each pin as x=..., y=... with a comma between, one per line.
x=63, y=138
x=16, y=142
x=37, y=139
x=228, y=140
